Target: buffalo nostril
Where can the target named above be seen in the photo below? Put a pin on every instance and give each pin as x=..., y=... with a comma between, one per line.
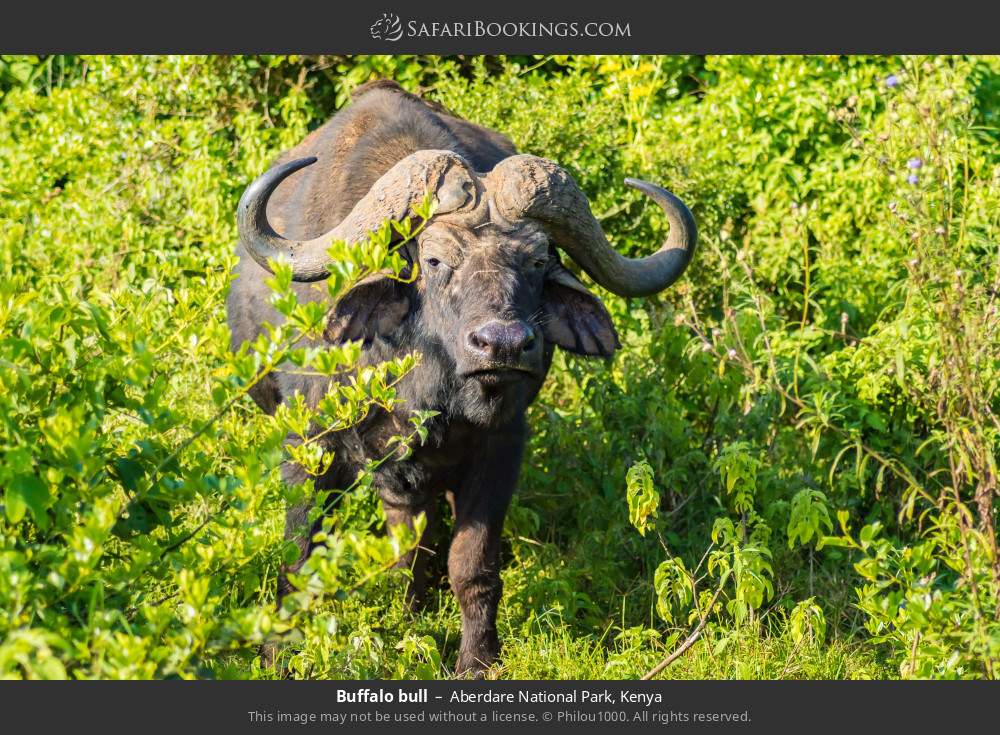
x=476, y=340
x=488, y=338
x=529, y=339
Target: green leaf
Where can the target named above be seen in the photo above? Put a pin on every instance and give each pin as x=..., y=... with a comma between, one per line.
x=643, y=500
x=129, y=472
x=27, y=492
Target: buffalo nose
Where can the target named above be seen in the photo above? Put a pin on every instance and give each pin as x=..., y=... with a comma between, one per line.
x=502, y=341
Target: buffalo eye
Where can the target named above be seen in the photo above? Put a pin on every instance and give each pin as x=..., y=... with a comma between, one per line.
x=433, y=262
x=538, y=264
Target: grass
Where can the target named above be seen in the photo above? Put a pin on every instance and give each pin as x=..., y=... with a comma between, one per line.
x=729, y=655
x=544, y=645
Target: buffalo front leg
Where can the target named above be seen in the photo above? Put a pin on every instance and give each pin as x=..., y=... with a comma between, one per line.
x=298, y=529
x=401, y=509
x=474, y=558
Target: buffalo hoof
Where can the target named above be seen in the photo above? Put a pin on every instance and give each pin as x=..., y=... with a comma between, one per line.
x=475, y=664
x=270, y=658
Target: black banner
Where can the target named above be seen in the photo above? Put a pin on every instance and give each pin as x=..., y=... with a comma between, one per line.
x=373, y=706
x=510, y=27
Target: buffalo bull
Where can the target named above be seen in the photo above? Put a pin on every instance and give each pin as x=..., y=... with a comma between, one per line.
x=490, y=304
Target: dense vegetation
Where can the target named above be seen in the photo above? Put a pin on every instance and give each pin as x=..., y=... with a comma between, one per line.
x=789, y=470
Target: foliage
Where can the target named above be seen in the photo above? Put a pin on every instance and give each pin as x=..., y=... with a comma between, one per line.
x=643, y=500
x=831, y=354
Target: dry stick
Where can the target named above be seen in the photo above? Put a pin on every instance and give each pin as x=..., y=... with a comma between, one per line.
x=688, y=642
x=694, y=593
x=912, y=664
x=788, y=661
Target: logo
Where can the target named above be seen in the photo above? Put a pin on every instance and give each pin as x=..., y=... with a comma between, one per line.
x=387, y=28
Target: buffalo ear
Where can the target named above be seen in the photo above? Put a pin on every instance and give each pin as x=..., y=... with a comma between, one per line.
x=375, y=307
x=574, y=318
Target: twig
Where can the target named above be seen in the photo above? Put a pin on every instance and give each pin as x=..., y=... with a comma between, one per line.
x=791, y=655
x=689, y=641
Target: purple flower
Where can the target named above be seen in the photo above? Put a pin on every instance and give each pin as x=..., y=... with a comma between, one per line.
x=892, y=81
x=913, y=179
x=914, y=163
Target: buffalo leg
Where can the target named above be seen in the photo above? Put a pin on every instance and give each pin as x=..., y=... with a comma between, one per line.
x=300, y=532
x=297, y=529
x=474, y=558
x=400, y=511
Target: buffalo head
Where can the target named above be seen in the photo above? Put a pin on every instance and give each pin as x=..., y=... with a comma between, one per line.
x=492, y=296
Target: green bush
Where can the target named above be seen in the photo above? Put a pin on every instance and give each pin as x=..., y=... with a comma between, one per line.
x=803, y=430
